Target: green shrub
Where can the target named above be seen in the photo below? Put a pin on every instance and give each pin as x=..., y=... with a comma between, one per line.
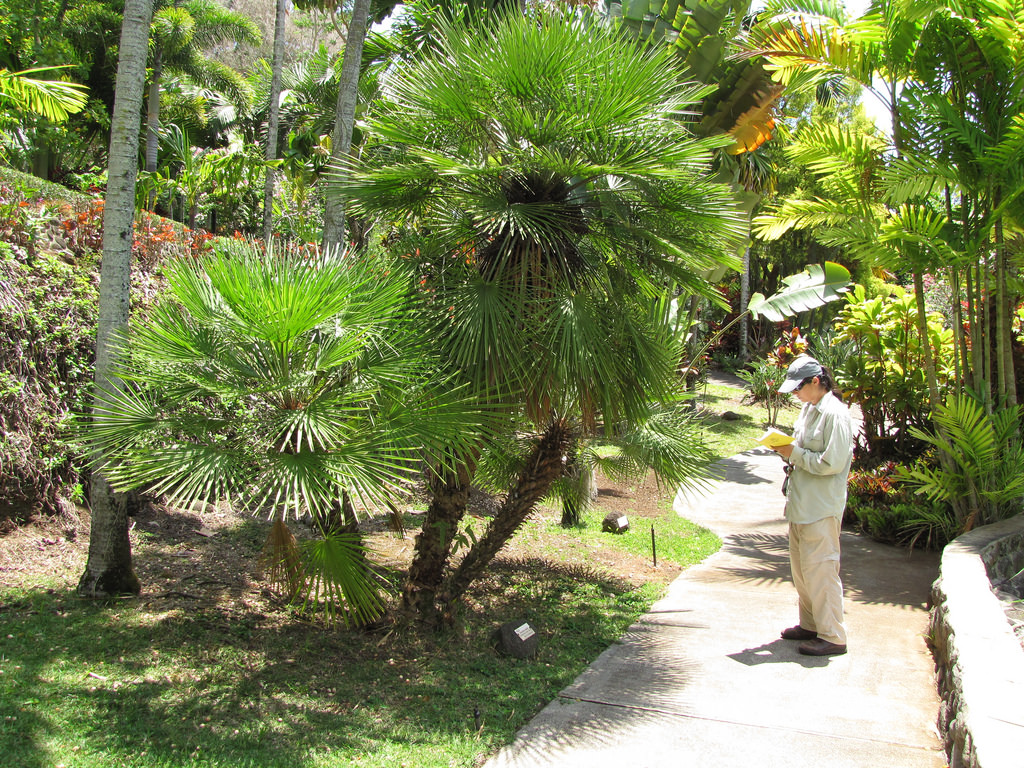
x=49, y=278
x=919, y=524
x=884, y=371
x=47, y=317
x=882, y=507
x=975, y=463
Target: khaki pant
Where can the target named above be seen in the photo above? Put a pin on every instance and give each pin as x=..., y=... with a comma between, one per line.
x=814, y=559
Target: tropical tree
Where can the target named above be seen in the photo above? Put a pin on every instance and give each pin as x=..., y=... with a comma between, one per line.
x=273, y=118
x=81, y=40
x=808, y=46
x=344, y=117
x=108, y=570
x=290, y=384
x=182, y=33
x=546, y=191
x=942, y=196
x=308, y=100
x=25, y=99
x=967, y=145
x=742, y=101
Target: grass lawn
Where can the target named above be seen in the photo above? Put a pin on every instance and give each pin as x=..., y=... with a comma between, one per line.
x=731, y=436
x=208, y=668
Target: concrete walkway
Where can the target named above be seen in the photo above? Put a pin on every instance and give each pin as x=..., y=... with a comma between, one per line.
x=704, y=679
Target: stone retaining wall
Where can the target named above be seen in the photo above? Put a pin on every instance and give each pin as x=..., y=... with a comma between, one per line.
x=979, y=660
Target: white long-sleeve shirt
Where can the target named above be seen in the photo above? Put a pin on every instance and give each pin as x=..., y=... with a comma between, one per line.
x=822, y=453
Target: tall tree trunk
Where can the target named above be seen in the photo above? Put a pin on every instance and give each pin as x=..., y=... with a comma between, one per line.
x=978, y=335
x=544, y=466
x=108, y=570
x=153, y=114
x=744, y=300
x=985, y=288
x=926, y=342
x=960, y=355
x=449, y=491
x=344, y=120
x=960, y=340
x=1004, y=320
x=272, y=120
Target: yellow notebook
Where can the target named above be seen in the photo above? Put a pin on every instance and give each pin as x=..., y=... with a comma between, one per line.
x=772, y=438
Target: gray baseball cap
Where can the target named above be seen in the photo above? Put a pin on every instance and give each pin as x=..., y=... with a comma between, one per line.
x=802, y=368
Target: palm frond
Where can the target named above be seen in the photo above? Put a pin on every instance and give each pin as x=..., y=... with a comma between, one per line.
x=914, y=225
x=338, y=582
x=915, y=177
x=52, y=99
x=791, y=44
x=801, y=214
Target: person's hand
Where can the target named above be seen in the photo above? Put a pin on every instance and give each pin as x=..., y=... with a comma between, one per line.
x=785, y=451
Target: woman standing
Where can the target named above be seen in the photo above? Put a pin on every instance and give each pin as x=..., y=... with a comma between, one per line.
x=818, y=465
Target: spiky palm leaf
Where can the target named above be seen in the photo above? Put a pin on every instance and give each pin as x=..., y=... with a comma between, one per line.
x=283, y=382
x=336, y=576
x=534, y=175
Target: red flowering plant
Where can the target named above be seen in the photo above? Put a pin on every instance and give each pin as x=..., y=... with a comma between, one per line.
x=83, y=230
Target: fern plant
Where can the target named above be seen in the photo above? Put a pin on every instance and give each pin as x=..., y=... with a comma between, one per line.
x=977, y=466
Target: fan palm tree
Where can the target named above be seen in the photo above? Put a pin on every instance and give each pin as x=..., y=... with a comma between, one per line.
x=290, y=385
x=547, y=191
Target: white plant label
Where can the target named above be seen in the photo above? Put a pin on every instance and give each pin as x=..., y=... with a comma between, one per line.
x=525, y=632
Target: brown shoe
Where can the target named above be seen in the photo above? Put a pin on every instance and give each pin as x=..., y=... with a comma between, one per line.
x=821, y=647
x=798, y=633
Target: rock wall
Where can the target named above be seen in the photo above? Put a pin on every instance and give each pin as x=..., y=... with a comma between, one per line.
x=979, y=660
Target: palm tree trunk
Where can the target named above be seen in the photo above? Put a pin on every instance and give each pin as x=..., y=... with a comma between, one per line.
x=926, y=342
x=344, y=120
x=273, y=119
x=449, y=491
x=960, y=340
x=1004, y=320
x=544, y=466
x=960, y=352
x=108, y=570
x=153, y=114
x=979, y=336
x=985, y=292
x=744, y=300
